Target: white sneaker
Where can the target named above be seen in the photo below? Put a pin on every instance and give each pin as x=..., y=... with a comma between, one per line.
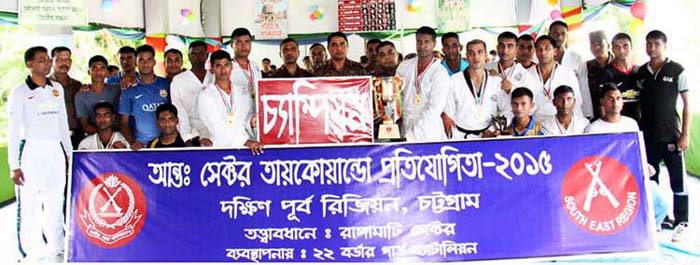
x=59, y=258
x=679, y=232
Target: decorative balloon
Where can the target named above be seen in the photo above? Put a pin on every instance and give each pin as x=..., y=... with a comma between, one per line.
x=556, y=14
x=638, y=10
x=107, y=5
x=636, y=26
x=316, y=12
x=553, y=2
x=187, y=16
x=415, y=6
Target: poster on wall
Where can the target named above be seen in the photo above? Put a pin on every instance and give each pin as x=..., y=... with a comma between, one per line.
x=366, y=15
x=64, y=13
x=270, y=19
x=452, y=15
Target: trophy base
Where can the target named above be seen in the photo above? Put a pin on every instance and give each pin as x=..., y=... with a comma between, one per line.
x=389, y=133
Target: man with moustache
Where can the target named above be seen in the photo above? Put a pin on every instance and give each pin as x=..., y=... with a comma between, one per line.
x=526, y=54
x=371, y=53
x=289, y=51
x=339, y=64
x=127, y=61
x=387, y=59
x=600, y=48
x=173, y=63
x=318, y=55
x=62, y=63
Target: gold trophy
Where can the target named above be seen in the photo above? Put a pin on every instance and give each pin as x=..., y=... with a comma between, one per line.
x=388, y=106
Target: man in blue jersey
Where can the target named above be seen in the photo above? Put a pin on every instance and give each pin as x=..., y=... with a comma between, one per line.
x=141, y=101
x=453, y=63
x=127, y=60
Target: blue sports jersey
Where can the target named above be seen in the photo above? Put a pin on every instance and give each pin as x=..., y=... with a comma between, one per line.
x=116, y=79
x=462, y=66
x=141, y=101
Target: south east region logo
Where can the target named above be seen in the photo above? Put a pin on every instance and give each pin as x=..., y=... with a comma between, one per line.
x=111, y=210
x=600, y=195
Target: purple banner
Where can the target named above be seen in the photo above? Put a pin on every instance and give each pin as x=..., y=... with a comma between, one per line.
x=452, y=201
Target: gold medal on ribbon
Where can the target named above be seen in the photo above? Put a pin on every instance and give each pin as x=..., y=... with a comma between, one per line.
x=479, y=112
x=229, y=119
x=419, y=100
x=548, y=97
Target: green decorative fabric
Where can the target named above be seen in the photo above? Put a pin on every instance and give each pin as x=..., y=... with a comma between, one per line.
x=692, y=156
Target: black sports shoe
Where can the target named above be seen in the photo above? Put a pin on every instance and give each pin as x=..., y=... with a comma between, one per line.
x=667, y=223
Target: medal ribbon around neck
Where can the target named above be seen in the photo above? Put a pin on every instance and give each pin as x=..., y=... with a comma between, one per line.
x=549, y=80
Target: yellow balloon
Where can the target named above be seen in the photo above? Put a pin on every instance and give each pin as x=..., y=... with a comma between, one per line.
x=636, y=26
x=553, y=2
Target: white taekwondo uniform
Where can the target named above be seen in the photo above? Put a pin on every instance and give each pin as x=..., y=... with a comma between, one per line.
x=544, y=92
x=423, y=103
x=227, y=116
x=516, y=74
x=92, y=142
x=552, y=126
x=246, y=77
x=184, y=90
x=575, y=62
x=473, y=111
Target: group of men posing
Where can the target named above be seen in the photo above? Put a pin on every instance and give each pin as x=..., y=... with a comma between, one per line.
x=537, y=85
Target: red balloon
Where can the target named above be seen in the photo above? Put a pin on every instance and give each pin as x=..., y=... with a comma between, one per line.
x=639, y=10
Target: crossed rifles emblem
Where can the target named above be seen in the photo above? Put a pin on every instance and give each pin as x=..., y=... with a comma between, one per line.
x=110, y=200
x=597, y=187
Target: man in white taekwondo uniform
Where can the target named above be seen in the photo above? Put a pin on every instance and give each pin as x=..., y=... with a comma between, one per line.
x=475, y=97
x=184, y=90
x=425, y=90
x=559, y=30
x=38, y=119
x=227, y=109
x=245, y=72
x=512, y=74
x=551, y=75
x=565, y=122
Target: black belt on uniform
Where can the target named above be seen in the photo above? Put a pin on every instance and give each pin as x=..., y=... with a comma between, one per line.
x=468, y=132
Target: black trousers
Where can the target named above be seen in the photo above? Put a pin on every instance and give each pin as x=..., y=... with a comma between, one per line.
x=658, y=151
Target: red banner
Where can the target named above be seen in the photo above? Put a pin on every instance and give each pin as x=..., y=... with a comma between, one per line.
x=314, y=110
